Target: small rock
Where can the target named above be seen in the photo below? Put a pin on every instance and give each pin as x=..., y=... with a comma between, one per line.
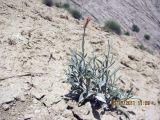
x=69, y=107
x=131, y=57
x=35, y=101
x=50, y=90
x=22, y=98
x=125, y=64
x=67, y=114
x=38, y=95
x=51, y=99
x=37, y=111
x=81, y=112
x=143, y=109
x=64, y=17
x=61, y=106
x=85, y=111
x=109, y=117
x=5, y=107
x=129, y=64
x=11, y=42
x=13, y=113
x=152, y=65
x=87, y=108
x=158, y=101
x=27, y=117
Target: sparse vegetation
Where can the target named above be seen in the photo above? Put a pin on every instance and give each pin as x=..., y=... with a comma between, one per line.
x=66, y=6
x=49, y=3
x=135, y=28
x=58, y=4
x=141, y=47
x=76, y=14
x=127, y=33
x=92, y=80
x=147, y=37
x=150, y=51
x=113, y=26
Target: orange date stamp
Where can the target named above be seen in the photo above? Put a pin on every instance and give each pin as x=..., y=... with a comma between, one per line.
x=129, y=102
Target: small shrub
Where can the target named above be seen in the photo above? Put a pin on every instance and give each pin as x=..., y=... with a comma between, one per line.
x=76, y=14
x=135, y=28
x=150, y=51
x=49, y=3
x=66, y=6
x=113, y=26
x=141, y=47
x=147, y=37
x=58, y=4
x=93, y=80
x=127, y=33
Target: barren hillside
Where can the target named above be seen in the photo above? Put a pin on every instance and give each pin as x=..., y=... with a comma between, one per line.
x=144, y=13
x=34, y=48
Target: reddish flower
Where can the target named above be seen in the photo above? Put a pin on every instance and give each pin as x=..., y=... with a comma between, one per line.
x=87, y=21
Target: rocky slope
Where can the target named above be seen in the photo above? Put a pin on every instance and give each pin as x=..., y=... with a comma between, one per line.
x=34, y=48
x=144, y=13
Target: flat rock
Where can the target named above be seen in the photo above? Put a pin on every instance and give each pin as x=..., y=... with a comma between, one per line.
x=5, y=107
x=51, y=99
x=37, y=95
x=28, y=116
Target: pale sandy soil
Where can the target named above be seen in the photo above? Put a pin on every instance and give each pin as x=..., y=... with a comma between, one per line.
x=31, y=84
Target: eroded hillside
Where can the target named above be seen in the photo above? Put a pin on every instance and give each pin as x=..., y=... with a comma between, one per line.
x=144, y=13
x=34, y=48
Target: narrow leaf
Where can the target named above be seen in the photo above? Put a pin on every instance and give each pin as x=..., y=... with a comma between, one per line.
x=101, y=97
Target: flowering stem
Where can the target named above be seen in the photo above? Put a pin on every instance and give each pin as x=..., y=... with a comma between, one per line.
x=83, y=42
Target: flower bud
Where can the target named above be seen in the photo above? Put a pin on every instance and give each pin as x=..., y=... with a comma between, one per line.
x=87, y=21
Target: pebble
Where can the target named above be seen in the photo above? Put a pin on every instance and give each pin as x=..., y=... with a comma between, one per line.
x=5, y=107
x=27, y=117
x=37, y=111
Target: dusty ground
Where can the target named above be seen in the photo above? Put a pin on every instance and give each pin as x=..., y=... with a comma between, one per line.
x=34, y=48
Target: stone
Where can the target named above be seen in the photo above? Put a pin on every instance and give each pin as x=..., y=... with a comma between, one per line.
x=67, y=114
x=37, y=95
x=27, y=117
x=134, y=58
x=37, y=111
x=51, y=99
x=22, y=98
x=5, y=107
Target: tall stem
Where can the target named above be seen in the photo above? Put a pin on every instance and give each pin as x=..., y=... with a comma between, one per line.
x=83, y=42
